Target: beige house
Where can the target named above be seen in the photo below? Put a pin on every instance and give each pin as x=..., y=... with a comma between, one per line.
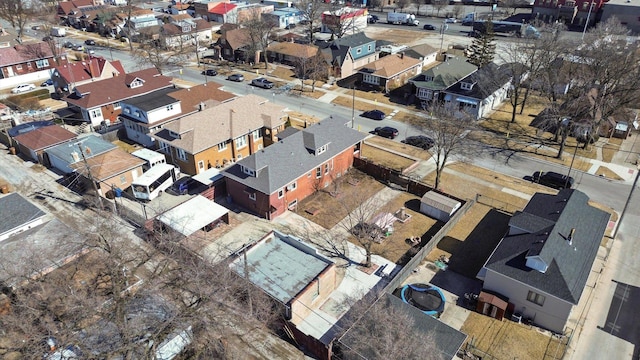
x=113, y=169
x=390, y=72
x=221, y=135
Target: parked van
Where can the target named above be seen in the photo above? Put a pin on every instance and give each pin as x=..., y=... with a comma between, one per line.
x=151, y=157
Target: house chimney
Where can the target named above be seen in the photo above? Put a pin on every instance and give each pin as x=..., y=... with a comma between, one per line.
x=570, y=238
x=402, y=55
x=201, y=106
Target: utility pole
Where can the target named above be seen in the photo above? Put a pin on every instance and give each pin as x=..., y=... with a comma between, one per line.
x=88, y=168
x=353, y=105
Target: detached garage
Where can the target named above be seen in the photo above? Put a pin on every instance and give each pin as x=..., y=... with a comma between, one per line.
x=438, y=206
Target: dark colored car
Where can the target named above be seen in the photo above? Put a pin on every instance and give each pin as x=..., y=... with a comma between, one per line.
x=374, y=114
x=236, y=77
x=69, y=45
x=90, y=42
x=290, y=26
x=262, y=82
x=209, y=72
x=386, y=131
x=421, y=141
x=372, y=19
x=47, y=82
x=429, y=27
x=182, y=186
x=553, y=180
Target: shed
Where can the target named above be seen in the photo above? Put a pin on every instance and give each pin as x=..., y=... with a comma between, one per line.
x=194, y=214
x=438, y=206
x=621, y=130
x=491, y=305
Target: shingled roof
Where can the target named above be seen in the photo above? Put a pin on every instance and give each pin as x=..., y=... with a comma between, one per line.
x=563, y=232
x=486, y=81
x=444, y=75
x=45, y=137
x=390, y=65
x=24, y=53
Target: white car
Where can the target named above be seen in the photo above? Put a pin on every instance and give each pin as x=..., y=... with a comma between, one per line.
x=201, y=49
x=23, y=88
x=451, y=20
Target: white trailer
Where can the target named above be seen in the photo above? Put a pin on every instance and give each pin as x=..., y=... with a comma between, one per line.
x=59, y=32
x=402, y=19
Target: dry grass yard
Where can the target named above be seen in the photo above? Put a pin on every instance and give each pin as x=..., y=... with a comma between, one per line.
x=409, y=150
x=385, y=158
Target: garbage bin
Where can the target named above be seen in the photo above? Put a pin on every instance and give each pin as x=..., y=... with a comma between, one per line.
x=118, y=192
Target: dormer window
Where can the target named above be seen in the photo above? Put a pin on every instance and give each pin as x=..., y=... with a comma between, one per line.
x=135, y=83
x=428, y=78
x=321, y=149
x=174, y=134
x=186, y=28
x=466, y=86
x=247, y=171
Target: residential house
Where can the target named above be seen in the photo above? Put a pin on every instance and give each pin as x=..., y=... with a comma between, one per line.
x=34, y=143
x=625, y=12
x=344, y=20
x=8, y=38
x=274, y=179
x=480, y=92
x=27, y=63
x=18, y=215
x=390, y=72
x=446, y=340
x=139, y=19
x=233, y=45
x=542, y=264
x=114, y=169
x=61, y=157
x=427, y=53
x=431, y=84
x=291, y=53
x=86, y=18
x=146, y=114
x=283, y=17
x=99, y=101
x=222, y=12
x=220, y=135
x=72, y=74
x=348, y=53
x=248, y=11
x=185, y=32
x=182, y=8
x=72, y=11
x=573, y=13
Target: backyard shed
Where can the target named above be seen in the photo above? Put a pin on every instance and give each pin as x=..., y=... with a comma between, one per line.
x=438, y=206
x=194, y=214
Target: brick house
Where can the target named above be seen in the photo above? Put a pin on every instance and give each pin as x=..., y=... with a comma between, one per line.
x=390, y=72
x=569, y=12
x=220, y=135
x=275, y=179
x=100, y=101
x=233, y=45
x=27, y=63
x=81, y=72
x=146, y=114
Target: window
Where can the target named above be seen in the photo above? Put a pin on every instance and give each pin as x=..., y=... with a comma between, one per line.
x=256, y=135
x=370, y=79
x=292, y=186
x=116, y=105
x=280, y=193
x=222, y=146
x=123, y=179
x=252, y=196
x=96, y=113
x=182, y=155
x=326, y=169
x=42, y=63
x=136, y=83
x=425, y=93
x=536, y=298
x=29, y=65
x=127, y=110
x=18, y=67
x=466, y=86
x=369, y=48
x=174, y=135
x=200, y=165
x=247, y=171
x=318, y=172
x=170, y=107
x=428, y=78
x=241, y=142
x=164, y=147
x=322, y=149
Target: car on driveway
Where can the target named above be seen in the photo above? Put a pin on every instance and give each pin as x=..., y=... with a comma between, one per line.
x=209, y=72
x=262, y=82
x=23, y=88
x=429, y=27
x=374, y=114
x=90, y=42
x=386, y=131
x=553, y=180
x=47, y=82
x=421, y=141
x=236, y=77
x=182, y=186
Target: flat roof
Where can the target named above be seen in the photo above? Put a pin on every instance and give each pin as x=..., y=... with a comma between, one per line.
x=208, y=176
x=146, y=154
x=281, y=265
x=192, y=215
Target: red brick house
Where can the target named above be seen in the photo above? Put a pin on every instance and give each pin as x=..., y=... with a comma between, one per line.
x=569, y=12
x=99, y=101
x=77, y=73
x=274, y=179
x=27, y=62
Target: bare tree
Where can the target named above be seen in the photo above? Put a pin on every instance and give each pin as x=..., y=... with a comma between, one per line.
x=448, y=129
x=439, y=5
x=313, y=68
x=376, y=4
x=258, y=31
x=17, y=13
x=401, y=4
x=458, y=9
x=338, y=24
x=511, y=6
x=312, y=11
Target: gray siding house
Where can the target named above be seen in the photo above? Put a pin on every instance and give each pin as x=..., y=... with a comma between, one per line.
x=543, y=262
x=431, y=83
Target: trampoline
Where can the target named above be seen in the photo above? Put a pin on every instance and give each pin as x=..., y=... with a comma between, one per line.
x=429, y=299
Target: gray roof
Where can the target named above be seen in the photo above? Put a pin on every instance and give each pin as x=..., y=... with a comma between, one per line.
x=95, y=143
x=286, y=132
x=568, y=264
x=281, y=265
x=285, y=161
x=337, y=50
x=16, y=211
x=447, y=339
x=444, y=75
x=487, y=80
x=154, y=100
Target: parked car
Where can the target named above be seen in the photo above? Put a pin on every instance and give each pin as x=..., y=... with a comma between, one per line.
x=23, y=88
x=47, y=38
x=429, y=27
x=236, y=77
x=90, y=42
x=450, y=20
x=374, y=114
x=47, y=82
x=79, y=48
x=553, y=180
x=386, y=131
x=372, y=19
x=290, y=26
x=262, y=82
x=182, y=186
x=209, y=72
x=201, y=49
x=421, y=141
x=69, y=45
